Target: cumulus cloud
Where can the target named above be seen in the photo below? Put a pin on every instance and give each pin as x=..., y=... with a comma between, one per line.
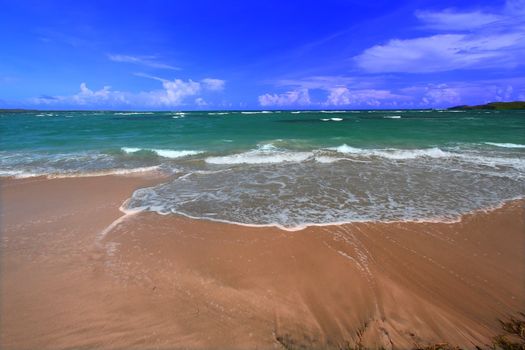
x=299, y=97
x=467, y=40
x=149, y=61
x=339, y=91
x=441, y=94
x=85, y=96
x=336, y=96
x=199, y=101
x=457, y=40
x=455, y=93
x=341, y=96
x=430, y=95
x=213, y=84
x=173, y=93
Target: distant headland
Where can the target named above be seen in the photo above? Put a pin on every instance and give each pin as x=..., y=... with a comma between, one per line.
x=495, y=105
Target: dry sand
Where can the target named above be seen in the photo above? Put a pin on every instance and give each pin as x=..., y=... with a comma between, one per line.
x=171, y=282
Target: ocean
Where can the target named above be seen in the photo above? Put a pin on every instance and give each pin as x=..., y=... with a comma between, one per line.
x=285, y=168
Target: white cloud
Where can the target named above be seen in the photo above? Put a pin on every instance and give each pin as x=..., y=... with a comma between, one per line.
x=340, y=91
x=452, y=20
x=471, y=40
x=86, y=95
x=213, y=84
x=317, y=82
x=515, y=7
x=444, y=52
x=441, y=95
x=415, y=96
x=504, y=94
x=294, y=97
x=173, y=93
x=337, y=96
x=455, y=93
x=149, y=61
x=341, y=96
x=199, y=101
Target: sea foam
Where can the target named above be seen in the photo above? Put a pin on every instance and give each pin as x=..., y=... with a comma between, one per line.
x=19, y=174
x=433, y=153
x=166, y=153
x=132, y=113
x=393, y=153
x=392, y=117
x=256, y=112
x=505, y=145
x=264, y=154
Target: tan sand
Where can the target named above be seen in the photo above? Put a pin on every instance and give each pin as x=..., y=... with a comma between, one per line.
x=171, y=282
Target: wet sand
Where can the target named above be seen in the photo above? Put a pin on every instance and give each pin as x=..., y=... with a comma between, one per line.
x=171, y=282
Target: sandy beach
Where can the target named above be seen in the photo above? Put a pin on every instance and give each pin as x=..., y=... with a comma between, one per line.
x=153, y=281
x=336, y=175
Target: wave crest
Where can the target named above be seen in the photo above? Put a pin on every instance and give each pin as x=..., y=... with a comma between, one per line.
x=393, y=153
x=505, y=145
x=166, y=153
x=264, y=154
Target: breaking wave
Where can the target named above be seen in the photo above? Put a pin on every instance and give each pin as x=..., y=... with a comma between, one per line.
x=166, y=153
x=505, y=145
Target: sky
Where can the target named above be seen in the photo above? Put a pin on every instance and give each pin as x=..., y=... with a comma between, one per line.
x=204, y=55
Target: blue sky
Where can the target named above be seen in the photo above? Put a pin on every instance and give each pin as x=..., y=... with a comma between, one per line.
x=331, y=54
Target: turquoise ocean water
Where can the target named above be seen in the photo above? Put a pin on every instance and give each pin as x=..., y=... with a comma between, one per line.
x=287, y=168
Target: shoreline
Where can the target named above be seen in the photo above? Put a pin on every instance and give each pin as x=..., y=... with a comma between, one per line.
x=174, y=282
x=152, y=173
x=340, y=223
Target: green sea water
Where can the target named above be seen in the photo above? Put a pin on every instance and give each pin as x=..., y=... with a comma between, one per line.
x=226, y=131
x=288, y=168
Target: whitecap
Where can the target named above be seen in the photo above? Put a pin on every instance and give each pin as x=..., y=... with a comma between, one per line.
x=256, y=112
x=130, y=149
x=20, y=174
x=327, y=159
x=264, y=154
x=392, y=153
x=132, y=113
x=434, y=152
x=166, y=153
x=505, y=145
x=105, y=172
